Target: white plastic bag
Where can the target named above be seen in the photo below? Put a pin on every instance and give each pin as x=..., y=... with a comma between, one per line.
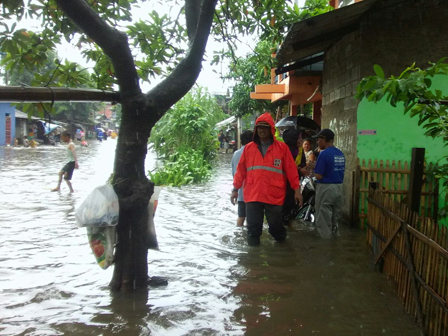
x=151, y=236
x=100, y=208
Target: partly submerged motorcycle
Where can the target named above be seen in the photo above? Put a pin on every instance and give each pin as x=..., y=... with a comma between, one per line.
x=306, y=212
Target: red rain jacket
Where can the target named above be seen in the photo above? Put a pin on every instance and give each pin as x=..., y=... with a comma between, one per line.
x=264, y=178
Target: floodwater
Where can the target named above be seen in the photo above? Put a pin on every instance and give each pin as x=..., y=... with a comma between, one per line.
x=50, y=283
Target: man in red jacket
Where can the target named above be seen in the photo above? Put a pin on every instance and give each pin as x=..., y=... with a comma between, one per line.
x=263, y=169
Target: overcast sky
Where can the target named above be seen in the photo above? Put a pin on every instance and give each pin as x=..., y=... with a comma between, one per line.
x=210, y=79
x=210, y=76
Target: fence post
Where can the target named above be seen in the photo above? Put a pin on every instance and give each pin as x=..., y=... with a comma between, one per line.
x=416, y=179
x=411, y=270
x=435, y=213
x=356, y=196
x=372, y=186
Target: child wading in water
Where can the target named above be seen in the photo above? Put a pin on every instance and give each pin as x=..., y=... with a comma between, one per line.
x=67, y=170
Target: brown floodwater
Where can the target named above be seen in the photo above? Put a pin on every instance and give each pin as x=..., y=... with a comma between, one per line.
x=50, y=283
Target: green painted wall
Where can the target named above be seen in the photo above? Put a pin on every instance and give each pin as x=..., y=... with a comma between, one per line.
x=396, y=133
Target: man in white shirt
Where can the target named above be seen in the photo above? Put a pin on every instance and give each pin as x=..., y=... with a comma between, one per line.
x=245, y=137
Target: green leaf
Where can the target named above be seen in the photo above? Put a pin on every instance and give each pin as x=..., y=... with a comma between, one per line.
x=409, y=107
x=379, y=71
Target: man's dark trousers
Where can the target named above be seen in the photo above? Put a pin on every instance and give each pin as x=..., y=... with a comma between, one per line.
x=255, y=212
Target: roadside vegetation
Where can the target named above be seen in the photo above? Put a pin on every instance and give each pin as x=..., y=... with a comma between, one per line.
x=185, y=140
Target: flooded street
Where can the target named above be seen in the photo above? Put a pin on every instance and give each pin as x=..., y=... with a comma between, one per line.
x=50, y=283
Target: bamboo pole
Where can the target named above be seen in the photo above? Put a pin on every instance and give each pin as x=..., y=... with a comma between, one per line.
x=405, y=179
x=386, y=170
x=26, y=94
x=363, y=194
x=399, y=180
x=433, y=283
x=444, y=289
x=428, y=265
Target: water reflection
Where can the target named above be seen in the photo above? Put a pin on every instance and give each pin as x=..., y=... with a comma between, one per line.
x=50, y=283
x=309, y=286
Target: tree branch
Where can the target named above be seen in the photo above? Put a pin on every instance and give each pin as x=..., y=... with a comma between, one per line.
x=113, y=42
x=192, y=10
x=180, y=81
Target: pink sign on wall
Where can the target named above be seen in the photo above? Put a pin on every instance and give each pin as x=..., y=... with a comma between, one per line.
x=367, y=132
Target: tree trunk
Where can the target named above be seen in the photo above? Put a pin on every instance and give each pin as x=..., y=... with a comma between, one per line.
x=139, y=114
x=134, y=191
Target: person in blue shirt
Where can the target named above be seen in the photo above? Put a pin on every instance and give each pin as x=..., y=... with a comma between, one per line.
x=329, y=172
x=245, y=137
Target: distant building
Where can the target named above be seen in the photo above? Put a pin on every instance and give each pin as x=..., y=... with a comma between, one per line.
x=106, y=111
x=7, y=124
x=16, y=124
x=23, y=125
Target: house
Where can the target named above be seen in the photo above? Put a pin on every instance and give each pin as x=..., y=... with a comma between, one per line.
x=332, y=52
x=299, y=86
x=23, y=124
x=17, y=124
x=7, y=122
x=106, y=111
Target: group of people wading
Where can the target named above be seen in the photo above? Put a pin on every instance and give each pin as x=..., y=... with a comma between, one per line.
x=264, y=167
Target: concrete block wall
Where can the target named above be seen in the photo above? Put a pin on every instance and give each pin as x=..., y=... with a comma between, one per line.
x=340, y=78
x=395, y=35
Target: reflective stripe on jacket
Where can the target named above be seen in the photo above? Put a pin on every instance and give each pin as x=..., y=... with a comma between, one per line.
x=265, y=177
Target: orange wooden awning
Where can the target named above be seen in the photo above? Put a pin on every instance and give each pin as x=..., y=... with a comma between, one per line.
x=255, y=95
x=270, y=88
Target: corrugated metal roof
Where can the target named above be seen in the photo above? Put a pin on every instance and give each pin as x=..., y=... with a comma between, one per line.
x=23, y=115
x=316, y=34
x=225, y=122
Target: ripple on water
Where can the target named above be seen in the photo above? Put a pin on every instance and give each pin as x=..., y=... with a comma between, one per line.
x=50, y=283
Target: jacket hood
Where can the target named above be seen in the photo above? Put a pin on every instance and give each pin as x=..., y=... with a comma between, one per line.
x=265, y=118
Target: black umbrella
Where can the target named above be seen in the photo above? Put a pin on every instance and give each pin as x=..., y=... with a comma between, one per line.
x=304, y=122
x=286, y=122
x=301, y=122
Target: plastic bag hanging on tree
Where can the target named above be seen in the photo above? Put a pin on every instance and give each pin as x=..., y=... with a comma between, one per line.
x=102, y=242
x=151, y=236
x=100, y=208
